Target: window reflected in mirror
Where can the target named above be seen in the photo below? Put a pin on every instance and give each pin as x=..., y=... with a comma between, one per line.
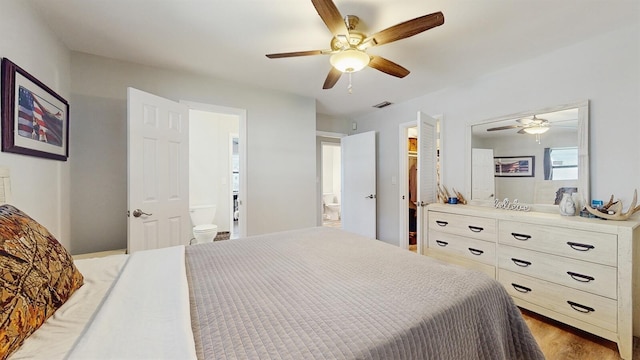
x=561, y=163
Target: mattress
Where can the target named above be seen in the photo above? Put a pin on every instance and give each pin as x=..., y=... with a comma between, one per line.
x=323, y=293
x=318, y=293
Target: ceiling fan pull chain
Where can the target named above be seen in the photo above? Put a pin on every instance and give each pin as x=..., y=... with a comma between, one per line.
x=350, y=87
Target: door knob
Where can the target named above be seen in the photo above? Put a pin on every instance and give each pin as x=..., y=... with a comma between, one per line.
x=371, y=196
x=138, y=213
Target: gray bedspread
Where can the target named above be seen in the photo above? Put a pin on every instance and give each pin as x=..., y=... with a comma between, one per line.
x=323, y=293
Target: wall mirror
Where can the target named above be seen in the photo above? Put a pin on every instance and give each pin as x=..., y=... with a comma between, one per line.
x=533, y=156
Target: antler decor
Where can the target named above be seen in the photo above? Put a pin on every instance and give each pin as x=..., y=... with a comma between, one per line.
x=613, y=209
x=444, y=195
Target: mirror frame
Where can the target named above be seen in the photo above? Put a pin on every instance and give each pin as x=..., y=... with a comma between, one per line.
x=584, y=186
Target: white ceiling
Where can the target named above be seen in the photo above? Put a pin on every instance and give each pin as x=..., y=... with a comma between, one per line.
x=229, y=38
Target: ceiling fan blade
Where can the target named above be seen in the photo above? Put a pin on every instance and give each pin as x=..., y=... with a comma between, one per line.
x=332, y=78
x=331, y=16
x=504, y=127
x=295, y=53
x=406, y=29
x=387, y=66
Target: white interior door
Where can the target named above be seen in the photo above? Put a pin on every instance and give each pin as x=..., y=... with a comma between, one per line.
x=158, y=172
x=482, y=174
x=427, y=176
x=359, y=183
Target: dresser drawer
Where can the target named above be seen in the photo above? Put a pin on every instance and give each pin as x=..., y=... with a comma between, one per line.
x=462, y=261
x=478, y=250
x=590, y=308
x=577, y=244
x=464, y=225
x=594, y=278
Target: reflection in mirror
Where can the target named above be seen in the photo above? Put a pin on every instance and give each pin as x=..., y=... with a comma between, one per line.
x=534, y=157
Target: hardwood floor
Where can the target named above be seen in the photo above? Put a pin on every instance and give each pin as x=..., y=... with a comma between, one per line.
x=562, y=342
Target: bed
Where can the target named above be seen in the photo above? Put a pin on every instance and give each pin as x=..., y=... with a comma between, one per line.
x=318, y=293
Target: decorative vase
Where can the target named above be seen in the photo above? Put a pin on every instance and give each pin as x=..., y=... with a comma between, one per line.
x=567, y=205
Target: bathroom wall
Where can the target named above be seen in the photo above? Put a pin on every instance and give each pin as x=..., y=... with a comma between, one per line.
x=331, y=179
x=209, y=162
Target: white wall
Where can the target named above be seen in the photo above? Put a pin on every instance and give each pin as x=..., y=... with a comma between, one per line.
x=281, y=176
x=603, y=70
x=40, y=187
x=333, y=124
x=210, y=162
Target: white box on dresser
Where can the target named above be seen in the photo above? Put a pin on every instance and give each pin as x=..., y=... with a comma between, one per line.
x=580, y=271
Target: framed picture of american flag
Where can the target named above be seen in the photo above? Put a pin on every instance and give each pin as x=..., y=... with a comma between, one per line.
x=35, y=120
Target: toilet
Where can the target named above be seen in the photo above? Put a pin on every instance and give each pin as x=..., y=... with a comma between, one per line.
x=202, y=217
x=331, y=206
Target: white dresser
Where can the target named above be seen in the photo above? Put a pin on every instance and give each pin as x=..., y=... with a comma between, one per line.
x=583, y=272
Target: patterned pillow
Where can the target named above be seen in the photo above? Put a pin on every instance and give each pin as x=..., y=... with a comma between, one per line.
x=37, y=276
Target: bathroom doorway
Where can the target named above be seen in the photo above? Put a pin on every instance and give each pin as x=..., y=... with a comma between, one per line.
x=331, y=184
x=235, y=184
x=217, y=159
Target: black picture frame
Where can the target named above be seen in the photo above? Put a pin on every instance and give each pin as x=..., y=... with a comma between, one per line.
x=35, y=119
x=514, y=166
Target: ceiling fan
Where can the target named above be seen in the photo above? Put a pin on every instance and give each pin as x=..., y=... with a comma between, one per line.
x=533, y=126
x=348, y=45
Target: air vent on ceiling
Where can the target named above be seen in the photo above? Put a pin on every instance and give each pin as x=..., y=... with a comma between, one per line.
x=382, y=104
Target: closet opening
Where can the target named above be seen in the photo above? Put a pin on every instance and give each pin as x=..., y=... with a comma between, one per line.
x=419, y=146
x=412, y=162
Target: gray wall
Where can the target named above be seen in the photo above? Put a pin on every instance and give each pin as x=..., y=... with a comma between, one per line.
x=281, y=140
x=40, y=186
x=603, y=70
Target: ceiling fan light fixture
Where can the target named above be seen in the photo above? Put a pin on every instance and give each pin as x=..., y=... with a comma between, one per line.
x=350, y=60
x=536, y=130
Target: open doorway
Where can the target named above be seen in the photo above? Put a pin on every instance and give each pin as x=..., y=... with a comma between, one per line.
x=412, y=183
x=235, y=184
x=418, y=145
x=217, y=160
x=331, y=184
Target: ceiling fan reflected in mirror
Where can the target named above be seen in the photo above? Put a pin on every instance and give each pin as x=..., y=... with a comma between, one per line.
x=349, y=46
x=534, y=126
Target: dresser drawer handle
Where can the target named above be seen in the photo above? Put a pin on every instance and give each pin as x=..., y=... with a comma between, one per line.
x=442, y=243
x=442, y=223
x=580, y=277
x=581, y=308
x=521, y=263
x=520, y=288
x=476, y=251
x=580, y=247
x=475, y=229
x=521, y=237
